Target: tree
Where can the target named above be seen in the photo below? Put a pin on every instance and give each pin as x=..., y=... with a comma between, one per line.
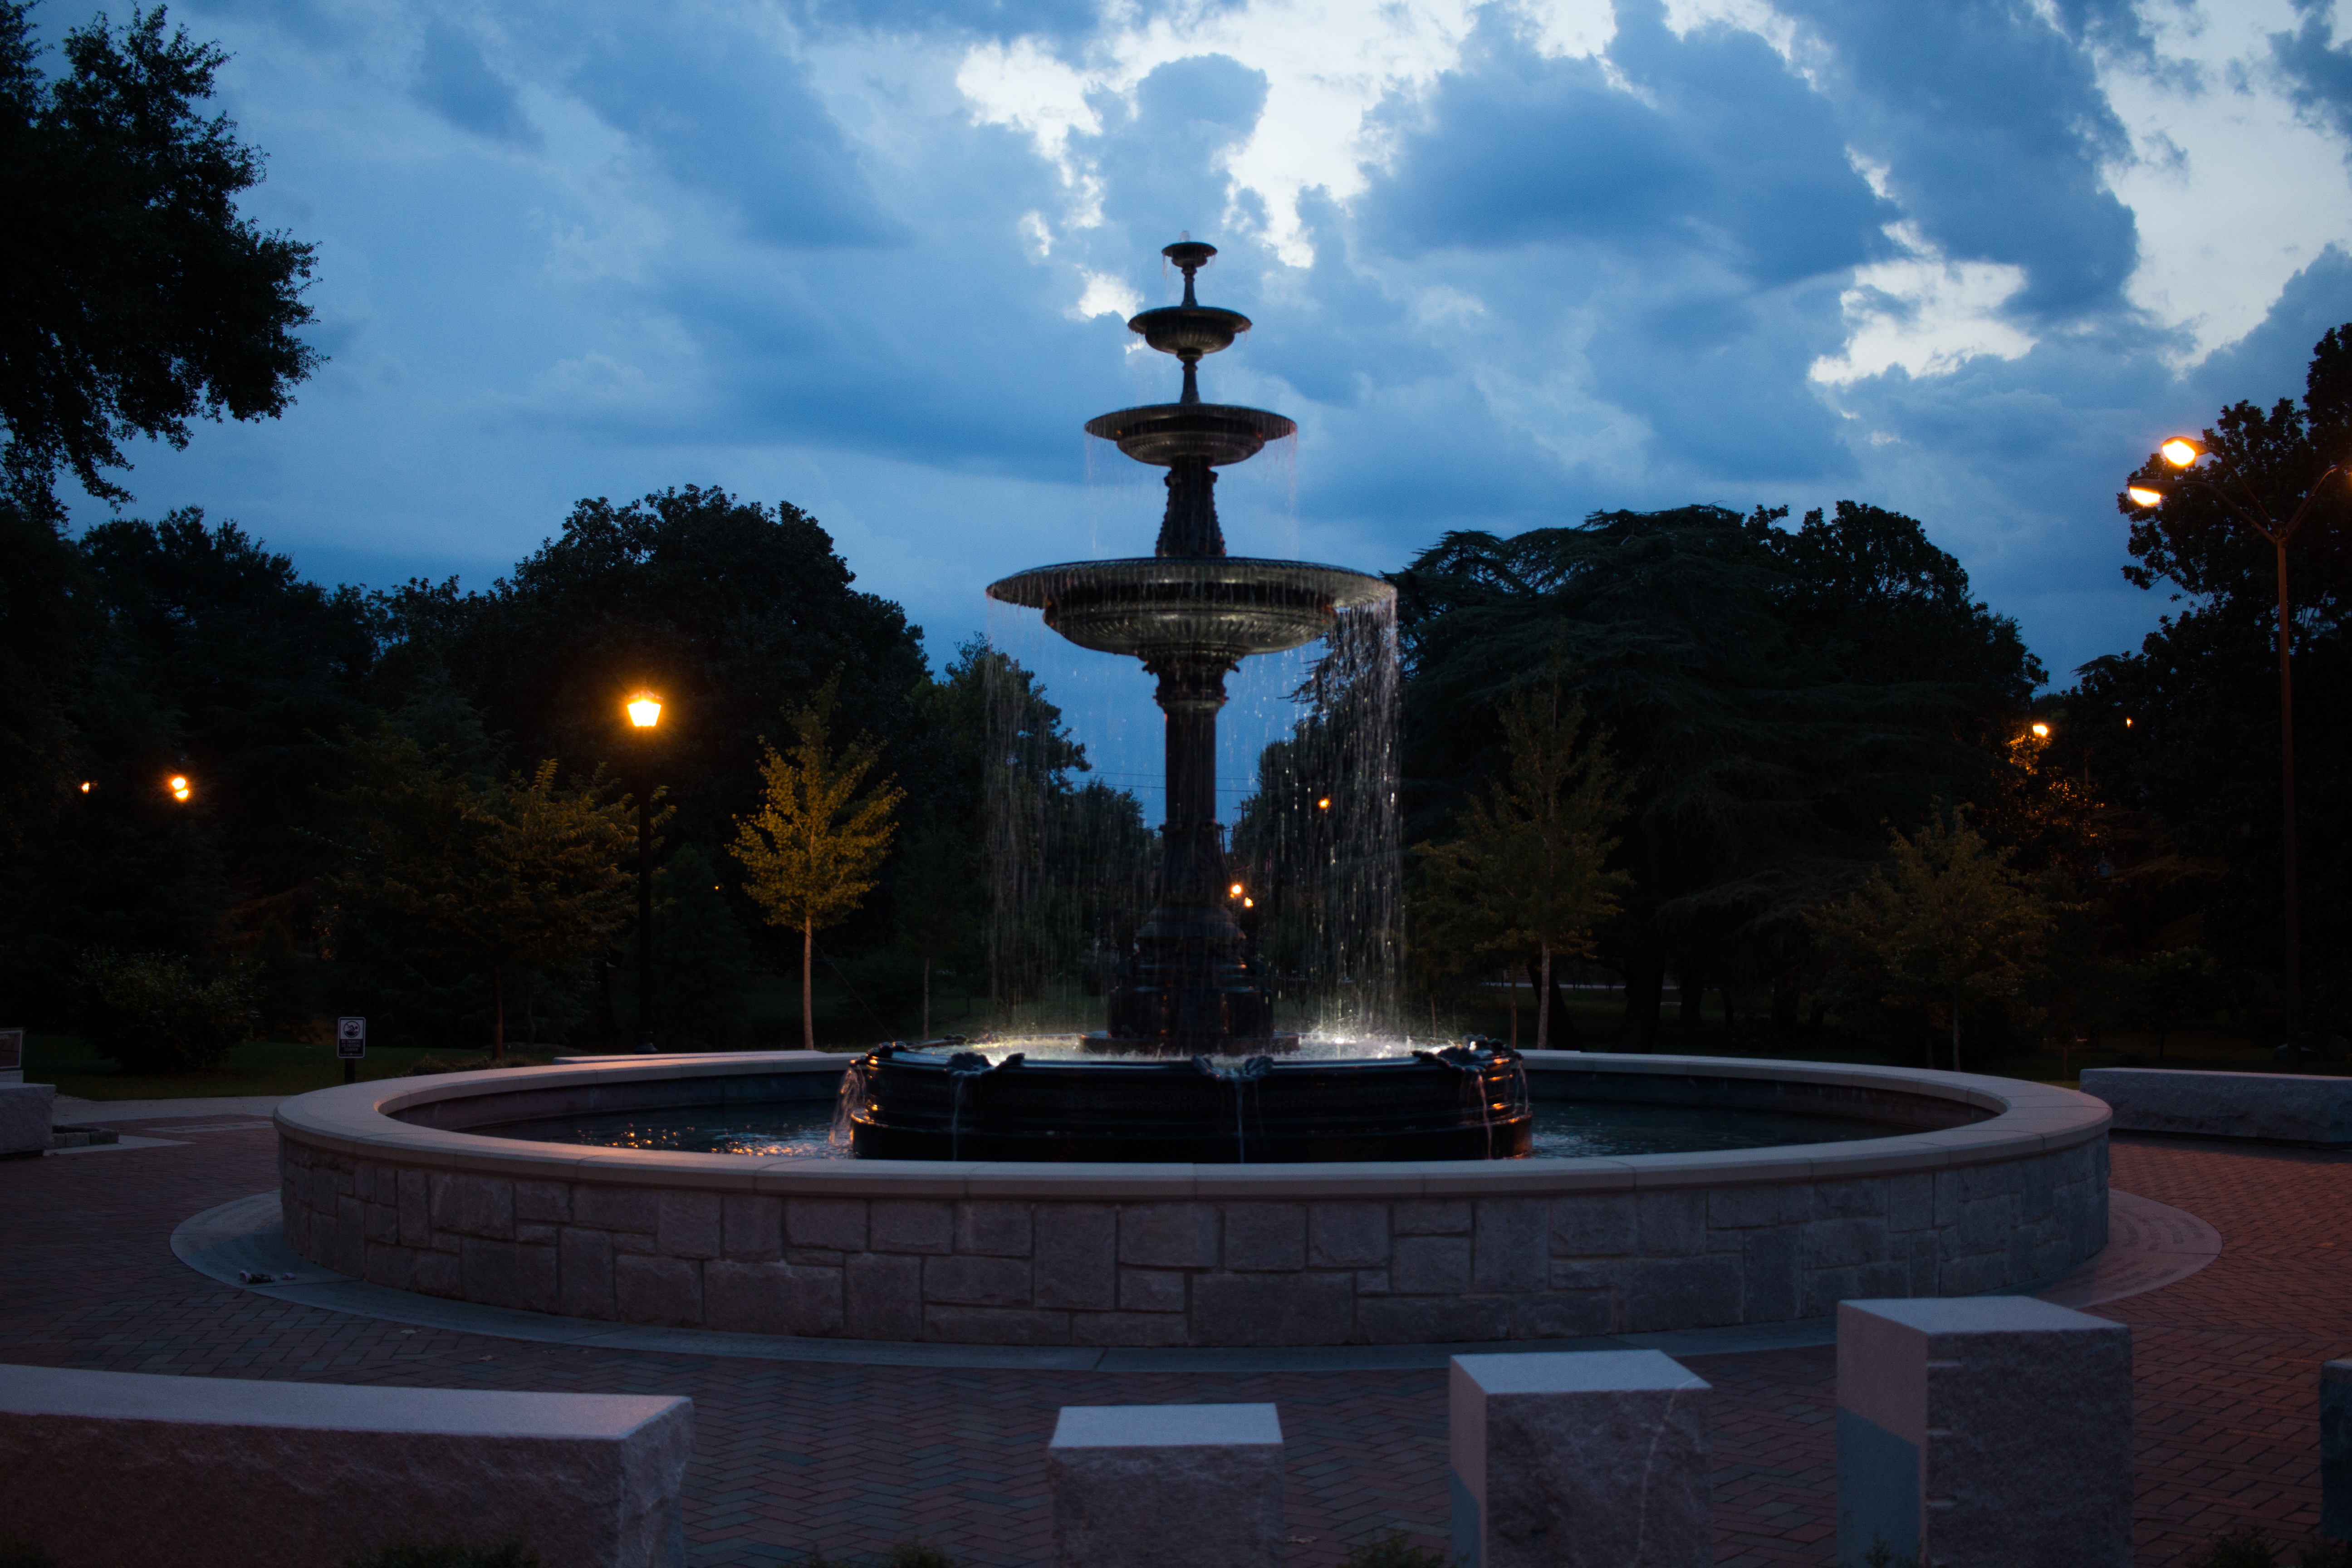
x=132, y=295
x=2186, y=728
x=734, y=611
x=1944, y=929
x=1531, y=870
x=937, y=870
x=494, y=876
x=814, y=847
x=1774, y=696
x=702, y=960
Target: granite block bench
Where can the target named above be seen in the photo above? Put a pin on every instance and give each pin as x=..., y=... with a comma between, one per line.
x=2278, y=1107
x=100, y=1469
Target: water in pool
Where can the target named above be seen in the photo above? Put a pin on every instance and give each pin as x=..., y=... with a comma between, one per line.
x=1564, y=1130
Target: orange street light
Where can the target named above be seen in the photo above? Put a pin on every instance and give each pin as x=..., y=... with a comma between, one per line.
x=177, y=784
x=1237, y=890
x=1323, y=805
x=87, y=787
x=2041, y=732
x=644, y=709
x=2181, y=452
x=2142, y=496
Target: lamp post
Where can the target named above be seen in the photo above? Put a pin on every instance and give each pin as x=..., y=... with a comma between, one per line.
x=2247, y=507
x=645, y=713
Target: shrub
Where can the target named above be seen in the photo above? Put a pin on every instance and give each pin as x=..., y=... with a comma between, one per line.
x=425, y=1067
x=149, y=1012
x=18, y=1554
x=1394, y=1549
x=451, y=1552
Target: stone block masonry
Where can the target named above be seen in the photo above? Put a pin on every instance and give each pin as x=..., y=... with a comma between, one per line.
x=1992, y=1433
x=1074, y=1263
x=102, y=1468
x=25, y=1118
x=1596, y=1459
x=1167, y=1486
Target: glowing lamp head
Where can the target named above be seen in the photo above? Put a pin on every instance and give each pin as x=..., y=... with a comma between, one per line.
x=1236, y=889
x=2142, y=496
x=644, y=709
x=1249, y=903
x=1323, y=805
x=2180, y=451
x=178, y=784
x=86, y=786
x=2041, y=732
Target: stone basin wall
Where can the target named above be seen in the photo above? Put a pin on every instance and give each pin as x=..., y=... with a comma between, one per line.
x=1314, y=1270
x=1164, y=1255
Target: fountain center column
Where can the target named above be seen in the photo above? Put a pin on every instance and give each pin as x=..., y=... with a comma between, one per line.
x=1192, y=851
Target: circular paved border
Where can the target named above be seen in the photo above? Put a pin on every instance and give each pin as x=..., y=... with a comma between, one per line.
x=1086, y=1255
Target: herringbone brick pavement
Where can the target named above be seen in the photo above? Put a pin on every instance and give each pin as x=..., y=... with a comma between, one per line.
x=791, y=1456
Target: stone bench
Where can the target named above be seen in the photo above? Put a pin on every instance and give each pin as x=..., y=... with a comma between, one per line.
x=105, y=1468
x=1580, y=1460
x=2282, y=1107
x=1986, y=1432
x=25, y=1118
x=1167, y=1486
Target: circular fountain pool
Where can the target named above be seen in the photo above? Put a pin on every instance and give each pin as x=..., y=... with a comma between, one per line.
x=1957, y=1184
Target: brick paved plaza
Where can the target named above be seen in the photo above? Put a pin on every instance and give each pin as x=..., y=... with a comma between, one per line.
x=846, y=1459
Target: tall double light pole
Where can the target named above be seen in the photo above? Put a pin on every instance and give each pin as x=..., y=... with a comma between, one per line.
x=644, y=714
x=2246, y=505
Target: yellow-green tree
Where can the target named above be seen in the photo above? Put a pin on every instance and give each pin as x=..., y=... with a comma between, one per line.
x=814, y=847
x=1946, y=929
x=1529, y=872
x=487, y=874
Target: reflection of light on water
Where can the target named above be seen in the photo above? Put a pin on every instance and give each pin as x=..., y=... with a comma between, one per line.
x=1564, y=1129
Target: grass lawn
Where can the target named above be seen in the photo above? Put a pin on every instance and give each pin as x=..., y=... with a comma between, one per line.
x=256, y=1066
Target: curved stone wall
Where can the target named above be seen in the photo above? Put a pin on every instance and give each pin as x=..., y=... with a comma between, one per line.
x=380, y=1182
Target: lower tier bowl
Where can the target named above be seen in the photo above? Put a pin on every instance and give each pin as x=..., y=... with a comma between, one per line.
x=1461, y=1103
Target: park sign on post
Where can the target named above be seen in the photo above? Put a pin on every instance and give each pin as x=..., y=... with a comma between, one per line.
x=350, y=1038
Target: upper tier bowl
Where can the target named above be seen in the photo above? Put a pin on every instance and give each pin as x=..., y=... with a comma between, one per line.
x=1232, y=604
x=1164, y=433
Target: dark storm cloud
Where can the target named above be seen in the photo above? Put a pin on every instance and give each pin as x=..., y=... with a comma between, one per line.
x=1160, y=157
x=723, y=111
x=1731, y=155
x=1995, y=133
x=2318, y=70
x=453, y=79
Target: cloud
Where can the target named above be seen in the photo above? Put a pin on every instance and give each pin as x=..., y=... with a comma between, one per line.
x=2319, y=73
x=453, y=79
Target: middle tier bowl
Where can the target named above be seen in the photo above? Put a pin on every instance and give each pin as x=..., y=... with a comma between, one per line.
x=1232, y=605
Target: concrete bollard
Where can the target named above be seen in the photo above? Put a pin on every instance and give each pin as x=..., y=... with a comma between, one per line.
x=1167, y=1486
x=2336, y=1450
x=1984, y=1432
x=1580, y=1459
x=25, y=1118
x=101, y=1468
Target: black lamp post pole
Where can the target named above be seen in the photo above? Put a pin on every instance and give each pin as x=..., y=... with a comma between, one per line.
x=645, y=908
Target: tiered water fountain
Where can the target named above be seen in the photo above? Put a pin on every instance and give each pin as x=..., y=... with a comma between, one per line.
x=1191, y=988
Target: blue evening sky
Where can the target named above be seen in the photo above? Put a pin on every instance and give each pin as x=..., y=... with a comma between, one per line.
x=1509, y=263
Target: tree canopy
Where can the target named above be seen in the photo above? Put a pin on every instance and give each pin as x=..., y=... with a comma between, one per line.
x=134, y=296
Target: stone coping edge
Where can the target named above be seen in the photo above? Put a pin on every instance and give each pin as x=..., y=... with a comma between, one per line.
x=357, y=1120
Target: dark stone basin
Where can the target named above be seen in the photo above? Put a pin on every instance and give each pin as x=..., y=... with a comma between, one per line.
x=1461, y=1103
x=1228, y=605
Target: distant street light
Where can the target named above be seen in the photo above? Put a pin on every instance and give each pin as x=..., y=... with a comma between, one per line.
x=2184, y=454
x=2041, y=732
x=645, y=713
x=178, y=784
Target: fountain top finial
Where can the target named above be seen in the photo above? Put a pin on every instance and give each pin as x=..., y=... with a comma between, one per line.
x=1191, y=256
x=1191, y=329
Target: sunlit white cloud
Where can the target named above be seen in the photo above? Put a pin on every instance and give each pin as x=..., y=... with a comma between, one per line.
x=1925, y=314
